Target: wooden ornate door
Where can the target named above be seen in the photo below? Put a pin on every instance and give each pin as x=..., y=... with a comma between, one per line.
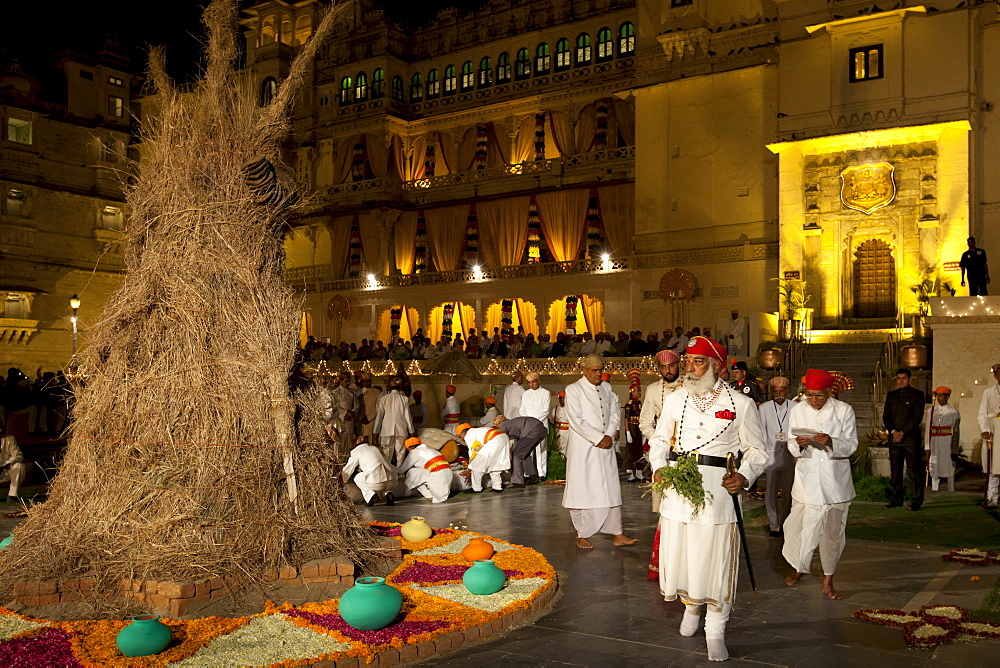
x=874, y=280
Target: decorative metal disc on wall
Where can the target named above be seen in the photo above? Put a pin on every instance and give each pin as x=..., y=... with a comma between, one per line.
x=678, y=284
x=338, y=307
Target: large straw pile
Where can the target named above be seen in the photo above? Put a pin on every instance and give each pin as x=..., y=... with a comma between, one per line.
x=189, y=456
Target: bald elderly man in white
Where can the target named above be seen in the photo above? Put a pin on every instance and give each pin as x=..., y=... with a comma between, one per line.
x=536, y=402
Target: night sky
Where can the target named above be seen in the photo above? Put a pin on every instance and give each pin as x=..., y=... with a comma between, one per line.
x=41, y=30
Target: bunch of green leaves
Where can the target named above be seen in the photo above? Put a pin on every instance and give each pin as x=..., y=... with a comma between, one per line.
x=685, y=478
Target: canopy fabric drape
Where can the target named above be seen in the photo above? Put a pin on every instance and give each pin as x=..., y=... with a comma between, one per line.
x=624, y=115
x=372, y=235
x=405, y=241
x=377, y=155
x=340, y=235
x=618, y=212
x=462, y=320
x=409, y=322
x=563, y=214
x=446, y=231
x=414, y=164
x=523, y=149
x=559, y=132
x=345, y=155
x=523, y=313
x=621, y=118
x=503, y=226
x=589, y=316
x=445, y=151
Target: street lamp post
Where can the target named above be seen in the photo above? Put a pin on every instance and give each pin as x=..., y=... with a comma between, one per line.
x=74, y=303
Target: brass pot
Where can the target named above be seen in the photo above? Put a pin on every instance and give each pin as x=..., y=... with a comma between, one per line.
x=770, y=358
x=913, y=356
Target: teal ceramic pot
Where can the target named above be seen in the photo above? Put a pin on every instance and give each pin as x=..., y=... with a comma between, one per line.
x=484, y=578
x=6, y=541
x=145, y=636
x=370, y=604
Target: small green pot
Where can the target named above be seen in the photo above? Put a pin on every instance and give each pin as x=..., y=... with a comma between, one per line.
x=145, y=636
x=370, y=604
x=484, y=578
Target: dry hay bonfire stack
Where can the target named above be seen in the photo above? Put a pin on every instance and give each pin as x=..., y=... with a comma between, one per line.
x=190, y=457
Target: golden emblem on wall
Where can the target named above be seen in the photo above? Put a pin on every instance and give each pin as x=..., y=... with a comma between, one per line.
x=867, y=187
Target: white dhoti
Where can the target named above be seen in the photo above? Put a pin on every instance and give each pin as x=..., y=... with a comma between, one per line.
x=391, y=444
x=588, y=521
x=542, y=458
x=15, y=474
x=809, y=527
x=699, y=563
x=496, y=480
x=370, y=488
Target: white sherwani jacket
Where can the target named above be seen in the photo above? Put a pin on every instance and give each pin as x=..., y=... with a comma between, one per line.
x=536, y=404
x=512, y=400
x=592, y=412
x=989, y=412
x=823, y=476
x=652, y=405
x=729, y=425
x=450, y=407
x=392, y=415
x=493, y=455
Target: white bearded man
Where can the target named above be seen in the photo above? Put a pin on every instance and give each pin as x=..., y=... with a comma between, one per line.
x=392, y=421
x=536, y=402
x=989, y=416
x=823, y=435
x=780, y=469
x=668, y=364
x=941, y=430
x=489, y=453
x=699, y=549
x=593, y=493
x=450, y=410
x=512, y=395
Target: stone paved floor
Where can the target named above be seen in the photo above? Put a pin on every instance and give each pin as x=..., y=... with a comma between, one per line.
x=609, y=614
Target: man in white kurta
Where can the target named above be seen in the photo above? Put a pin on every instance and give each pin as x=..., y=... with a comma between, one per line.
x=489, y=454
x=941, y=429
x=491, y=414
x=780, y=469
x=450, y=410
x=536, y=402
x=989, y=417
x=345, y=406
x=593, y=493
x=559, y=420
x=668, y=364
x=822, y=437
x=426, y=471
x=699, y=549
x=375, y=476
x=512, y=395
x=736, y=332
x=12, y=466
x=392, y=421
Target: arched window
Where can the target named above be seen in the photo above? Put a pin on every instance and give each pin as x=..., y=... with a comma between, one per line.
x=485, y=73
x=503, y=68
x=346, y=90
x=543, y=61
x=468, y=76
x=268, y=89
x=416, y=88
x=303, y=28
x=450, y=80
x=286, y=29
x=433, y=84
x=268, y=31
x=626, y=39
x=378, y=83
x=583, y=50
x=397, y=88
x=605, y=45
x=522, y=67
x=361, y=87
x=562, y=54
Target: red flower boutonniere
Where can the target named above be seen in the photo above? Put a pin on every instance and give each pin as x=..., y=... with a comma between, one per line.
x=725, y=415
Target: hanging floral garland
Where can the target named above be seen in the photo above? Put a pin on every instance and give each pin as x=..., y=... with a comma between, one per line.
x=595, y=226
x=430, y=161
x=354, y=258
x=506, y=319
x=472, y=238
x=539, y=136
x=446, y=318
x=534, y=233
x=482, y=145
x=358, y=162
x=601, y=134
x=420, y=252
x=395, y=316
x=571, y=314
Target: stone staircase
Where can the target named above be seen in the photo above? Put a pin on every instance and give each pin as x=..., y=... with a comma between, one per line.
x=857, y=360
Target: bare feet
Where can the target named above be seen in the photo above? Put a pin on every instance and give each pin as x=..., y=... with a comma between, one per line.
x=584, y=544
x=828, y=589
x=621, y=540
x=792, y=579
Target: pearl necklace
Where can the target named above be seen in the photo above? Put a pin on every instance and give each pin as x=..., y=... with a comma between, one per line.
x=706, y=402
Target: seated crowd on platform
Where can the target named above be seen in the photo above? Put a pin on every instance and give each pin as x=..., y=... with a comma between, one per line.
x=43, y=401
x=505, y=345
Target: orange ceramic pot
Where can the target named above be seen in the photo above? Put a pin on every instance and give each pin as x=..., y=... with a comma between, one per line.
x=477, y=549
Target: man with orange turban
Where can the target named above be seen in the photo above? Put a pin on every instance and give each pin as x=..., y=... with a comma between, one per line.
x=489, y=453
x=426, y=471
x=822, y=437
x=450, y=411
x=491, y=412
x=699, y=545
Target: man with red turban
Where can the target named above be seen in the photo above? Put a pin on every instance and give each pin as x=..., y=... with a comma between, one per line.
x=822, y=437
x=450, y=411
x=699, y=545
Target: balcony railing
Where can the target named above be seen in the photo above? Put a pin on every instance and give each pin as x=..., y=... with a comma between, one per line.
x=551, y=366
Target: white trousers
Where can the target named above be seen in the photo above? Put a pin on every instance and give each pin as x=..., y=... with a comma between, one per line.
x=394, y=444
x=992, y=488
x=699, y=563
x=588, y=521
x=810, y=526
x=435, y=486
x=370, y=489
x=542, y=458
x=15, y=473
x=496, y=480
